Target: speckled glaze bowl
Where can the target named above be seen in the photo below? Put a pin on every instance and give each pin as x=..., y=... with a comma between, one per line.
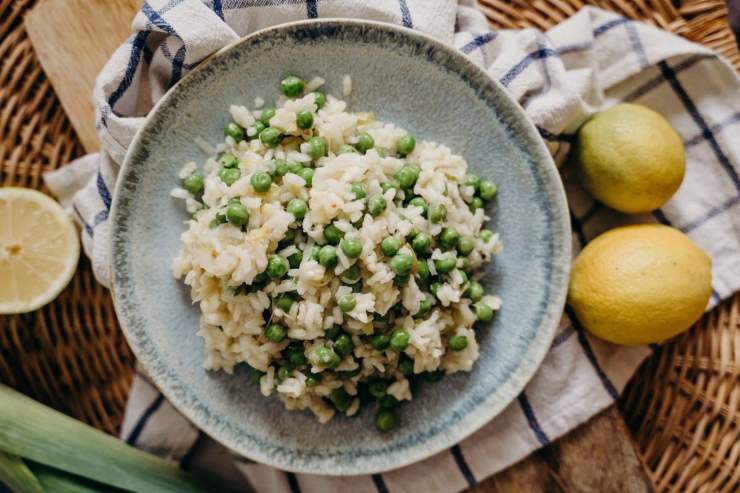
x=405, y=78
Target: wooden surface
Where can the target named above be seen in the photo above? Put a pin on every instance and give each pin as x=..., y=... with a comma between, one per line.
x=73, y=39
x=597, y=457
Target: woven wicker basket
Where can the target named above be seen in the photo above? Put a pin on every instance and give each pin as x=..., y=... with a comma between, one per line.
x=683, y=406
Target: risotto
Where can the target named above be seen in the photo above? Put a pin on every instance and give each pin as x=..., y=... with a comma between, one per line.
x=335, y=255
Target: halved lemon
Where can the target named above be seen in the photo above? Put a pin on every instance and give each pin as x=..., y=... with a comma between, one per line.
x=39, y=250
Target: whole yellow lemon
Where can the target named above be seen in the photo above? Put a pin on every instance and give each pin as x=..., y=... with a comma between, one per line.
x=640, y=284
x=629, y=158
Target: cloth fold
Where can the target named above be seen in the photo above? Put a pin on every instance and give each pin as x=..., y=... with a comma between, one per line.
x=588, y=62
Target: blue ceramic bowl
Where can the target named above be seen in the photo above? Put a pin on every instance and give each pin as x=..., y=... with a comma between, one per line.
x=405, y=78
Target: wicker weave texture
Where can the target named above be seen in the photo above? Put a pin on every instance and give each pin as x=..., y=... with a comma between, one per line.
x=683, y=406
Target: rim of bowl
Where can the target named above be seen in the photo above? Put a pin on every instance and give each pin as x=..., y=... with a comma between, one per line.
x=486, y=410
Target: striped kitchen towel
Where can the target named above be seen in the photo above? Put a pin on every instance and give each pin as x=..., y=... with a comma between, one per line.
x=590, y=61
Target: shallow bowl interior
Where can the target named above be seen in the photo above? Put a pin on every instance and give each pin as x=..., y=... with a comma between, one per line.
x=407, y=79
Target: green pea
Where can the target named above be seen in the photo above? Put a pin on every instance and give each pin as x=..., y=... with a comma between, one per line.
x=406, y=144
x=294, y=167
x=434, y=287
x=422, y=270
x=387, y=402
x=270, y=136
x=385, y=420
x=412, y=234
x=351, y=248
x=380, y=321
x=486, y=235
x=483, y=312
x=258, y=128
x=327, y=357
x=282, y=373
x=193, y=183
x=341, y=399
x=266, y=115
x=313, y=379
x=292, y=86
x=393, y=183
x=457, y=343
x=298, y=208
x=465, y=245
x=284, y=302
x=347, y=303
x=234, y=130
x=401, y=280
x=261, y=181
x=488, y=190
x=433, y=376
x=295, y=355
x=464, y=276
x=333, y=332
x=407, y=175
x=275, y=333
x=438, y=213
x=328, y=257
x=259, y=282
x=424, y=306
x=351, y=275
x=421, y=243
x=390, y=245
x=358, y=190
x=333, y=235
x=448, y=238
x=304, y=119
x=307, y=175
x=237, y=214
x=295, y=260
x=344, y=345
x=288, y=239
x=475, y=204
x=365, y=142
x=401, y=263
x=316, y=147
x=377, y=388
x=347, y=149
x=445, y=265
x=229, y=175
x=315, y=253
x=419, y=202
x=228, y=161
x=281, y=167
x=277, y=267
x=400, y=340
x=380, y=341
x=376, y=205
x=406, y=366
x=319, y=99
x=472, y=180
x=465, y=264
x=475, y=291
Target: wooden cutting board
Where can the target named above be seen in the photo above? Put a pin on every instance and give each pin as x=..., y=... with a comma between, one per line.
x=74, y=38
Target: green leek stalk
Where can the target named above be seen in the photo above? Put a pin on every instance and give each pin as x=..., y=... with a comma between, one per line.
x=17, y=476
x=38, y=433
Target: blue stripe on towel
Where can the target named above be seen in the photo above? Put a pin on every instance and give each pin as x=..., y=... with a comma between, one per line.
x=137, y=46
x=405, y=14
x=379, y=483
x=589, y=352
x=103, y=191
x=539, y=433
x=526, y=61
x=148, y=413
x=312, y=9
x=478, y=42
x=463, y=465
x=670, y=76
